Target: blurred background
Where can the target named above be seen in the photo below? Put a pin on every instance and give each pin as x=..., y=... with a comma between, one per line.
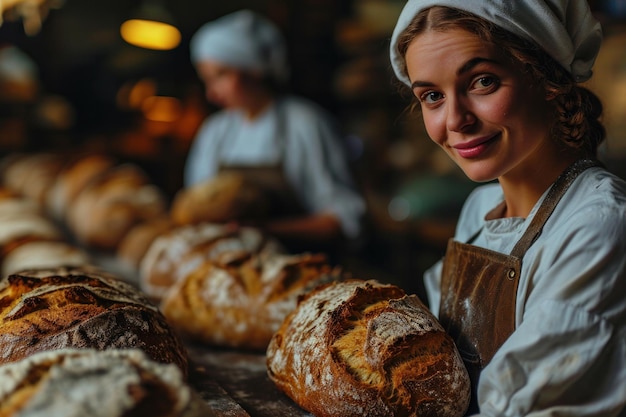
x=68, y=80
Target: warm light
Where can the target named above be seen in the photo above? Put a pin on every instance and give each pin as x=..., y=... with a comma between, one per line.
x=150, y=34
x=162, y=109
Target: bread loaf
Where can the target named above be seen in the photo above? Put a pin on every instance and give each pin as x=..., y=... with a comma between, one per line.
x=76, y=173
x=32, y=175
x=242, y=304
x=111, y=204
x=88, y=382
x=21, y=228
x=361, y=348
x=43, y=254
x=81, y=307
x=137, y=241
x=182, y=249
x=226, y=197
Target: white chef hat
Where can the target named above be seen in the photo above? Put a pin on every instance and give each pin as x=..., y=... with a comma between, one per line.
x=565, y=29
x=243, y=40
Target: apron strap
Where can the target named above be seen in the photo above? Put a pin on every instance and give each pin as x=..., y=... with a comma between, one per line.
x=554, y=195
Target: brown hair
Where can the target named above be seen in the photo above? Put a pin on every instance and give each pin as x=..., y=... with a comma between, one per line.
x=577, y=109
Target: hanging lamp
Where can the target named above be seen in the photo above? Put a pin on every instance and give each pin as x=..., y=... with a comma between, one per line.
x=151, y=27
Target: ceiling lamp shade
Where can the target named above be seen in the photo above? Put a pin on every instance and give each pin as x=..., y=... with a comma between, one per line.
x=152, y=27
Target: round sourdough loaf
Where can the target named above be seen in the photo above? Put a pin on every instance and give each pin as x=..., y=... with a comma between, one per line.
x=361, y=348
x=243, y=303
x=81, y=307
x=89, y=382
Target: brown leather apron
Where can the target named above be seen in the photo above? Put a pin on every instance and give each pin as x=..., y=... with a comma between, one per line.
x=271, y=177
x=479, y=287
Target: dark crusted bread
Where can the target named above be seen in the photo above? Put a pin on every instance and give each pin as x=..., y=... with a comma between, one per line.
x=360, y=348
x=241, y=304
x=81, y=307
x=89, y=382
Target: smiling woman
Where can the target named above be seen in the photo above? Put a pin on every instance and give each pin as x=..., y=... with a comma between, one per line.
x=498, y=88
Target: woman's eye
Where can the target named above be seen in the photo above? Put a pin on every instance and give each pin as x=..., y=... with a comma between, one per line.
x=485, y=82
x=430, y=97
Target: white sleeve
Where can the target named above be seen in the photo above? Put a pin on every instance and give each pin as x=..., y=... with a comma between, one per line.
x=202, y=162
x=318, y=168
x=567, y=356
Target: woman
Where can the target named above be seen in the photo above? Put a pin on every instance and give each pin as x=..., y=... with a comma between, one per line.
x=532, y=284
x=285, y=141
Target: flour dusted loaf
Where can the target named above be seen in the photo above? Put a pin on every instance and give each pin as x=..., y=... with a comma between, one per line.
x=361, y=348
x=81, y=307
x=173, y=254
x=89, y=382
x=243, y=303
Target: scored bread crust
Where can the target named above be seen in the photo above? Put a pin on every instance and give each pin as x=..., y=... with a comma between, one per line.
x=112, y=383
x=81, y=307
x=243, y=304
x=179, y=251
x=361, y=348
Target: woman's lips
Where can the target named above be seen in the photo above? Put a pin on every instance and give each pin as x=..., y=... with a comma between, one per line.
x=474, y=148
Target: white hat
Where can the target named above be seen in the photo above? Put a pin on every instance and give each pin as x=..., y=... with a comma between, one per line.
x=565, y=29
x=243, y=40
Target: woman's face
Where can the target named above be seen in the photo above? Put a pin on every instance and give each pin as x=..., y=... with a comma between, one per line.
x=224, y=86
x=478, y=107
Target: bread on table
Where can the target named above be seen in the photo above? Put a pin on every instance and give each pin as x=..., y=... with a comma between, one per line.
x=17, y=229
x=77, y=172
x=361, y=348
x=243, y=303
x=111, y=204
x=136, y=242
x=89, y=382
x=44, y=254
x=81, y=307
x=177, y=252
x=32, y=174
x=226, y=197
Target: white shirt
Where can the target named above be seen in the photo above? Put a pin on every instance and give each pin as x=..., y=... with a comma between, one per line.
x=296, y=131
x=567, y=355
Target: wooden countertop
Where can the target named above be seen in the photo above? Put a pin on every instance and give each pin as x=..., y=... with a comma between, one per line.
x=235, y=384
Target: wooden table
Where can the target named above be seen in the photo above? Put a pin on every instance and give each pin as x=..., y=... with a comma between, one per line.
x=235, y=384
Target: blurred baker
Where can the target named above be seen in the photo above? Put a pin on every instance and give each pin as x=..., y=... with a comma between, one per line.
x=285, y=142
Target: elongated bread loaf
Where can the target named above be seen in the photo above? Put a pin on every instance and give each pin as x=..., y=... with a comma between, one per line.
x=243, y=303
x=81, y=307
x=361, y=348
x=89, y=382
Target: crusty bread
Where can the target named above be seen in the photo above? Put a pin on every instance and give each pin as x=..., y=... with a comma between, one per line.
x=17, y=229
x=111, y=204
x=226, y=197
x=136, y=242
x=81, y=307
x=89, y=382
x=76, y=173
x=361, y=348
x=182, y=249
x=241, y=304
x=43, y=254
x=32, y=174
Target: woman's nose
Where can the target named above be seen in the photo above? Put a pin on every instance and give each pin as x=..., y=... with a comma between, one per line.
x=459, y=117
